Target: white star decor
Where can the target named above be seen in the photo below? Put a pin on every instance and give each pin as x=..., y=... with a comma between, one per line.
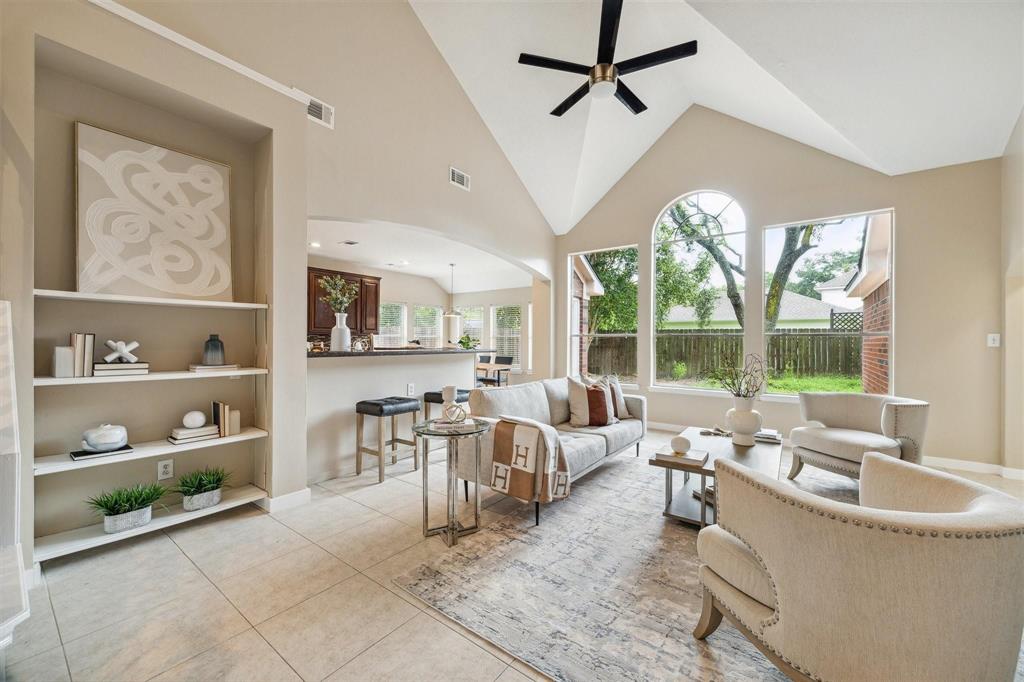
x=122, y=351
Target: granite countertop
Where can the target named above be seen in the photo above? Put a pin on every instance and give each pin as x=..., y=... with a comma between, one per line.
x=394, y=352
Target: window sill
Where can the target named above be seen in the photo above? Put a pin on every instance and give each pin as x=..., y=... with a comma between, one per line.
x=696, y=392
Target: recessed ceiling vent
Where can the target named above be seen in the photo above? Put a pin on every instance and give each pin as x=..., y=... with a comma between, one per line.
x=458, y=178
x=321, y=113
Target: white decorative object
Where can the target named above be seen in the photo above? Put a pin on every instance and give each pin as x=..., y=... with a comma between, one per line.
x=194, y=419
x=680, y=444
x=151, y=221
x=200, y=501
x=743, y=420
x=452, y=411
x=133, y=519
x=104, y=438
x=122, y=351
x=63, y=362
x=341, y=335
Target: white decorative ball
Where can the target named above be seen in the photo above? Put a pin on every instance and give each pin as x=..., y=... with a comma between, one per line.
x=194, y=419
x=680, y=444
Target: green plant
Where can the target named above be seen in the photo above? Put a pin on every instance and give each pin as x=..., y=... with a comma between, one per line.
x=466, y=342
x=742, y=382
x=201, y=481
x=340, y=292
x=124, y=500
x=679, y=370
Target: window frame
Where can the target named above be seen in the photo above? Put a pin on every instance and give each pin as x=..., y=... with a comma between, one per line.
x=517, y=362
x=440, y=323
x=483, y=320
x=403, y=333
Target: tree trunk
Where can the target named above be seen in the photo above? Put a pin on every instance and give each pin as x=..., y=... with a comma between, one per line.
x=798, y=242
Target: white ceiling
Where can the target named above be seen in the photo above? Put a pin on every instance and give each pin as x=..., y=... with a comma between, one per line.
x=892, y=86
x=386, y=247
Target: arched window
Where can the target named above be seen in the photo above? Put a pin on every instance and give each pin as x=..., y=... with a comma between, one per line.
x=699, y=267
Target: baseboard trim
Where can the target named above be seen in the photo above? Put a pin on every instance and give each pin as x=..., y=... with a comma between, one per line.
x=288, y=501
x=976, y=467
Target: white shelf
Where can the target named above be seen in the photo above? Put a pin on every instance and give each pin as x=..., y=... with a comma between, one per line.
x=54, y=464
x=152, y=376
x=80, y=539
x=145, y=300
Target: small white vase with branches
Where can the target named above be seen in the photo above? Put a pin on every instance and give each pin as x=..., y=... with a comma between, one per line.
x=340, y=293
x=745, y=384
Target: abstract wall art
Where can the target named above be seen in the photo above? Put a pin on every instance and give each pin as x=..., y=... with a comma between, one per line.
x=151, y=221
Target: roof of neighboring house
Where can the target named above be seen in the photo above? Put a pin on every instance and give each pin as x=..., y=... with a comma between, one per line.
x=838, y=282
x=794, y=307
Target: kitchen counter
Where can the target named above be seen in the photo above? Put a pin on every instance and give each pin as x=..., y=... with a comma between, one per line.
x=394, y=352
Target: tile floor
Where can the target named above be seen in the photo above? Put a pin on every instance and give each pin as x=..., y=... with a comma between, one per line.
x=305, y=594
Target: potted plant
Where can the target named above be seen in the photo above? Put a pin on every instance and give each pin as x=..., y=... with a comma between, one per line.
x=745, y=384
x=201, y=488
x=340, y=294
x=127, y=508
x=466, y=342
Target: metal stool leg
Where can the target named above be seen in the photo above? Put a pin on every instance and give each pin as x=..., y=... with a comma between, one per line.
x=381, y=427
x=359, y=444
x=415, y=442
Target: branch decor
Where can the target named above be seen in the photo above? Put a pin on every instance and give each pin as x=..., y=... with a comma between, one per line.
x=340, y=292
x=742, y=382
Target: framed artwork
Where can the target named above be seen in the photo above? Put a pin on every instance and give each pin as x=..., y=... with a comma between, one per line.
x=151, y=221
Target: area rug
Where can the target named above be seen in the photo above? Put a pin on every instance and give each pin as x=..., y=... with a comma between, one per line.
x=604, y=589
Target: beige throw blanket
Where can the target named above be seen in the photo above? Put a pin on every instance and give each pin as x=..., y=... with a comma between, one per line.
x=528, y=461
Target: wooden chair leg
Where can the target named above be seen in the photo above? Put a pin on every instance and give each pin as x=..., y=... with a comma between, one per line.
x=359, y=444
x=797, y=465
x=381, y=428
x=710, y=617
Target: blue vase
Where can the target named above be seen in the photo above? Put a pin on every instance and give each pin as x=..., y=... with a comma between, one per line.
x=213, y=351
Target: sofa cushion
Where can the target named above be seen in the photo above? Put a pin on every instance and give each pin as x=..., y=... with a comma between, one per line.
x=616, y=436
x=621, y=411
x=845, y=444
x=522, y=400
x=727, y=556
x=558, y=398
x=581, y=452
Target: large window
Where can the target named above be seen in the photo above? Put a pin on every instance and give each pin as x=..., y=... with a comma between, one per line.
x=700, y=270
x=392, y=325
x=827, y=314
x=603, y=313
x=473, y=322
x=426, y=325
x=506, y=332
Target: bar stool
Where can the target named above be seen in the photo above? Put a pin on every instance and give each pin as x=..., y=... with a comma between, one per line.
x=382, y=408
x=434, y=398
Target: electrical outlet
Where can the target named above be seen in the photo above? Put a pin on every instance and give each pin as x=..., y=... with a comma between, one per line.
x=165, y=469
x=993, y=340
x=410, y=390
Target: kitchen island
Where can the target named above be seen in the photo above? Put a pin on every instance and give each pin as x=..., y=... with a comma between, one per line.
x=336, y=381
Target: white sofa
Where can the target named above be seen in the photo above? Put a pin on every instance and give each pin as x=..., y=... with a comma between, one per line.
x=923, y=581
x=547, y=402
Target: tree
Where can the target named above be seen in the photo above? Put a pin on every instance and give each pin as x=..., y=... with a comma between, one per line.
x=822, y=268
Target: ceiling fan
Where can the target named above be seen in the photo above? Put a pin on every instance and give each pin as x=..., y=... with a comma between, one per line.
x=603, y=78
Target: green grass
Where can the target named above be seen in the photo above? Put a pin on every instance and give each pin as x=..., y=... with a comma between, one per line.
x=201, y=481
x=838, y=383
x=124, y=500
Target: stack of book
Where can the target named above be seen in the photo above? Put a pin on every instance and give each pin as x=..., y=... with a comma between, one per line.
x=120, y=369
x=695, y=457
x=182, y=435
x=210, y=368
x=709, y=495
x=768, y=436
x=83, y=346
x=227, y=421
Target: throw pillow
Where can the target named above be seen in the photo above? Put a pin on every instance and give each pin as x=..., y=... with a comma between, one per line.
x=618, y=397
x=590, y=405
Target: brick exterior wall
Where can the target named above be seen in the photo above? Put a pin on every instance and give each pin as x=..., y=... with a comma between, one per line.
x=875, y=350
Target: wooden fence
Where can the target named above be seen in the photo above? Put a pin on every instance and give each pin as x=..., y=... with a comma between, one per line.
x=800, y=351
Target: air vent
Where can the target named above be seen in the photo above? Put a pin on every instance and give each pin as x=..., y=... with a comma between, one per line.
x=321, y=113
x=458, y=178
x=349, y=242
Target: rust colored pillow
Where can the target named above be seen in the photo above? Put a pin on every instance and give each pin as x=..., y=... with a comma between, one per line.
x=600, y=405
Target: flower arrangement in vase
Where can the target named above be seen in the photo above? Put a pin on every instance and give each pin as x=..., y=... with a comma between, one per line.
x=745, y=384
x=340, y=293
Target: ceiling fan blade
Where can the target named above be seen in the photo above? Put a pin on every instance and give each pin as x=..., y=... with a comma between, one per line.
x=571, y=100
x=611, y=11
x=626, y=96
x=659, y=57
x=556, y=64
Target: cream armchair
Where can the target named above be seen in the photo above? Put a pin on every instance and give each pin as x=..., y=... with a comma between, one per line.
x=844, y=426
x=922, y=582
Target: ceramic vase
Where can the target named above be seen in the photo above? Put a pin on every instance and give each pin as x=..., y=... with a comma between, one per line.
x=213, y=351
x=743, y=420
x=133, y=519
x=341, y=335
x=201, y=501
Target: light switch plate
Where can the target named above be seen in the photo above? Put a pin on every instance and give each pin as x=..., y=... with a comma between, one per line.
x=164, y=469
x=993, y=340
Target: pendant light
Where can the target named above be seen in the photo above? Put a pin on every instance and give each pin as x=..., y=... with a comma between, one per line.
x=452, y=312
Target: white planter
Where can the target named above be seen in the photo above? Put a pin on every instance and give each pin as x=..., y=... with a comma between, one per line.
x=133, y=519
x=201, y=501
x=743, y=420
x=341, y=335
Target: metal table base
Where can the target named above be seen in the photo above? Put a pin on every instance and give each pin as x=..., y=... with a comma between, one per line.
x=453, y=529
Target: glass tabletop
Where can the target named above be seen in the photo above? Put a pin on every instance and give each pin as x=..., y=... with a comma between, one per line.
x=439, y=428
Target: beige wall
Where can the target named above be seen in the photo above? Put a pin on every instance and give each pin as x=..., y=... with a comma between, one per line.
x=947, y=296
x=1013, y=298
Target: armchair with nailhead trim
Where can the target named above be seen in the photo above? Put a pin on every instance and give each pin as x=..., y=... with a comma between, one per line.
x=921, y=581
x=843, y=426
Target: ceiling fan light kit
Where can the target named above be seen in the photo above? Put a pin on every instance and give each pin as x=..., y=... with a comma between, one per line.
x=603, y=78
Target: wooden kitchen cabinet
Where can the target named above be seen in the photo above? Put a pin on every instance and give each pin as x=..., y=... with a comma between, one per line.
x=363, y=313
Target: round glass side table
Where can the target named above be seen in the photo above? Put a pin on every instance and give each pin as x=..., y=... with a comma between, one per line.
x=451, y=433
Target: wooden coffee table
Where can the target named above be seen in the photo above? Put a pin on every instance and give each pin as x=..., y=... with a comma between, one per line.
x=680, y=504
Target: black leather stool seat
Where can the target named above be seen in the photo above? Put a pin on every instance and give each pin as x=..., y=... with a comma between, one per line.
x=461, y=396
x=387, y=407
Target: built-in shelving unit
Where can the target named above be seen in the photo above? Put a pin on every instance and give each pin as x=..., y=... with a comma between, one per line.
x=152, y=376
x=145, y=300
x=80, y=539
x=54, y=464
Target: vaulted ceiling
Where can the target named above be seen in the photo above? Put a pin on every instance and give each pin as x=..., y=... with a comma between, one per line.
x=894, y=86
